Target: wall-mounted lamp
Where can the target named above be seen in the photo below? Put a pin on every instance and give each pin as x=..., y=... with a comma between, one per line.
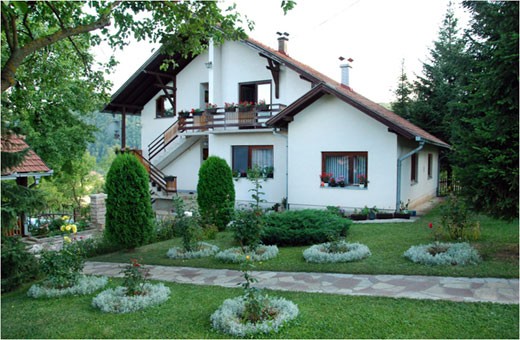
x=209, y=65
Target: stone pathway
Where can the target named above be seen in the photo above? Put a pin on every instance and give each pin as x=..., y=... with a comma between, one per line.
x=396, y=286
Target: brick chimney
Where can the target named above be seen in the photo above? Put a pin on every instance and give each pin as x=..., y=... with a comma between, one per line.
x=345, y=73
x=282, y=42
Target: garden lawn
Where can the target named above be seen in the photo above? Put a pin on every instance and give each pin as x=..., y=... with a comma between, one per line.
x=498, y=246
x=186, y=315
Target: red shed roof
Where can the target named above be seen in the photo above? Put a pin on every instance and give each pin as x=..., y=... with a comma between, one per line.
x=31, y=165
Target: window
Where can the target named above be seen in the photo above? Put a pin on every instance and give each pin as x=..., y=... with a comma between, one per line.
x=430, y=166
x=349, y=166
x=246, y=157
x=255, y=92
x=414, y=167
x=163, y=107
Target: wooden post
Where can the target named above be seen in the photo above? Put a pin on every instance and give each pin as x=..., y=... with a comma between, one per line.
x=123, y=128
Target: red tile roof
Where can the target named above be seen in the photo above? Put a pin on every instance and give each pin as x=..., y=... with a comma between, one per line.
x=329, y=85
x=32, y=163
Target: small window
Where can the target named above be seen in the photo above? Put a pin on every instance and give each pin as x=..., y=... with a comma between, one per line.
x=414, y=168
x=163, y=107
x=430, y=166
x=245, y=157
x=351, y=167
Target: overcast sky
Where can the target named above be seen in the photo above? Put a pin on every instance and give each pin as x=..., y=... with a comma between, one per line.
x=377, y=34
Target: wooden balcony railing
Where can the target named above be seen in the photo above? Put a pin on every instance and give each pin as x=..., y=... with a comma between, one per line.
x=222, y=118
x=157, y=177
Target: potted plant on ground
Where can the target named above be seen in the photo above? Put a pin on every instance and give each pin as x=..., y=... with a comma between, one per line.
x=384, y=215
x=403, y=211
x=358, y=216
x=372, y=213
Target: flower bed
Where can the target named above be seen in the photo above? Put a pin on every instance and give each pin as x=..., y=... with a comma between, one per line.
x=86, y=285
x=228, y=317
x=443, y=254
x=116, y=301
x=204, y=250
x=332, y=252
x=237, y=255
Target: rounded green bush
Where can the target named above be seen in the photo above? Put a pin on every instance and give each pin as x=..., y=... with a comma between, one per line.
x=303, y=227
x=129, y=215
x=216, y=192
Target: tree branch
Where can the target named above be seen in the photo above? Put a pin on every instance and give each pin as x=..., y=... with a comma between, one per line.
x=19, y=54
x=5, y=26
x=57, y=14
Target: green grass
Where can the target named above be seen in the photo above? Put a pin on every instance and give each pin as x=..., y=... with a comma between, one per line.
x=186, y=315
x=387, y=242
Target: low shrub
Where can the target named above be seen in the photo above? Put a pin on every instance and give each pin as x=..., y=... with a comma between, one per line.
x=443, y=254
x=456, y=222
x=117, y=301
x=247, y=227
x=18, y=265
x=333, y=252
x=303, y=227
x=239, y=255
x=165, y=229
x=84, y=285
x=202, y=249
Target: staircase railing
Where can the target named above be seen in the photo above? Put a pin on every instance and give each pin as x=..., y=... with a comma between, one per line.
x=163, y=140
x=157, y=177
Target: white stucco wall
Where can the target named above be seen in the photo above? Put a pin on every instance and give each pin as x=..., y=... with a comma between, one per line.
x=332, y=125
x=424, y=188
x=186, y=168
x=275, y=188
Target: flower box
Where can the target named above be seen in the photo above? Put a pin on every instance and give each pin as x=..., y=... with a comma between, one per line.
x=384, y=216
x=358, y=217
x=402, y=215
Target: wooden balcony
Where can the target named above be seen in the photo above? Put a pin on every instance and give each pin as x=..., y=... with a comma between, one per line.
x=225, y=119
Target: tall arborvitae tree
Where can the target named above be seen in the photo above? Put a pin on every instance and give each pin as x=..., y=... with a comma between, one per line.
x=437, y=91
x=486, y=140
x=403, y=92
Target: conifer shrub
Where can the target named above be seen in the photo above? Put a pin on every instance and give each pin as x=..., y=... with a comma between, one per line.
x=129, y=215
x=216, y=192
x=303, y=227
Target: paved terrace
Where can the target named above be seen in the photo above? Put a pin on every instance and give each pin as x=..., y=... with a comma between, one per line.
x=396, y=286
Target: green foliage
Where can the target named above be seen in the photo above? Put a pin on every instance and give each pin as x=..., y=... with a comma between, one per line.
x=403, y=92
x=17, y=200
x=165, y=228
x=129, y=215
x=247, y=227
x=255, y=309
x=135, y=276
x=18, y=266
x=187, y=224
x=457, y=222
x=486, y=140
x=256, y=175
x=216, y=192
x=63, y=268
x=303, y=227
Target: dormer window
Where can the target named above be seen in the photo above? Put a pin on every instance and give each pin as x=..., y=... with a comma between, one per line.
x=163, y=107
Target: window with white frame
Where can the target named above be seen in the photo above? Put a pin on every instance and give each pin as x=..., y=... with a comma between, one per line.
x=245, y=157
x=350, y=167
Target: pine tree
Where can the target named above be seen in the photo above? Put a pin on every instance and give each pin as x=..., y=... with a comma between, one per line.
x=486, y=140
x=404, y=89
x=438, y=90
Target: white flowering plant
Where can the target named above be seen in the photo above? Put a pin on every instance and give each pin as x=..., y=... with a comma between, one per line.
x=85, y=284
x=116, y=300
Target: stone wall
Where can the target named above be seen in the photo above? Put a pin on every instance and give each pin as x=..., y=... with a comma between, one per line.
x=97, y=211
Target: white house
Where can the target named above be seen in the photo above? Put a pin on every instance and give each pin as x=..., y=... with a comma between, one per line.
x=309, y=125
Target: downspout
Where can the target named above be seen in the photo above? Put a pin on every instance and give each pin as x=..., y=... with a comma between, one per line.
x=286, y=166
x=399, y=163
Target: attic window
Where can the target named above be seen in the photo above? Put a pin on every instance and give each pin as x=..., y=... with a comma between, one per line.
x=163, y=107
